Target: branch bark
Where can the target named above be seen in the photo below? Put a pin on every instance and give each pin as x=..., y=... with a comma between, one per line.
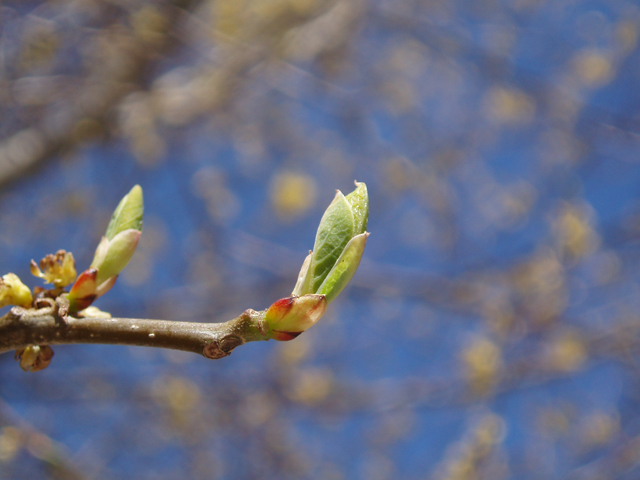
x=20, y=328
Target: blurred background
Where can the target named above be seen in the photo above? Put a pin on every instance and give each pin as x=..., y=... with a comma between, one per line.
x=492, y=331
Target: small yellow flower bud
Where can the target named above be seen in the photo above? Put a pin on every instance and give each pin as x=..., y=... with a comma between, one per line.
x=14, y=292
x=34, y=358
x=59, y=269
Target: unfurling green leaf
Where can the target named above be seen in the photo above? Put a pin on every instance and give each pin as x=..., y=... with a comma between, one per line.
x=334, y=232
x=113, y=253
x=119, y=251
x=128, y=214
x=338, y=247
x=343, y=270
x=302, y=275
x=359, y=202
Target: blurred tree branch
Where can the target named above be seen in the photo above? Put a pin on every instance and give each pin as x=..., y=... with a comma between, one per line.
x=115, y=92
x=16, y=433
x=116, y=62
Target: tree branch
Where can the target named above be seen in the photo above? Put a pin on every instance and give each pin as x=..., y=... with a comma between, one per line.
x=20, y=328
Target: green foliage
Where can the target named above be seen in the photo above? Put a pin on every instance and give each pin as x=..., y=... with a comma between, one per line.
x=339, y=244
x=128, y=214
x=113, y=253
x=338, y=248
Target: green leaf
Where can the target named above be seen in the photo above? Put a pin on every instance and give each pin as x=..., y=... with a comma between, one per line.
x=344, y=269
x=128, y=213
x=120, y=250
x=335, y=231
x=338, y=247
x=359, y=202
x=304, y=270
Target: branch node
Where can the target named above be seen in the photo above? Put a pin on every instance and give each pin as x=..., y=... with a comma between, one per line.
x=62, y=312
x=257, y=317
x=223, y=347
x=16, y=313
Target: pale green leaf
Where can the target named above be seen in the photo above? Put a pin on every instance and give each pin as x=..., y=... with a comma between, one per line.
x=334, y=232
x=359, y=202
x=128, y=213
x=344, y=269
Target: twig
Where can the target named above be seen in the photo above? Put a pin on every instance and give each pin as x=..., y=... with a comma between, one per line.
x=20, y=328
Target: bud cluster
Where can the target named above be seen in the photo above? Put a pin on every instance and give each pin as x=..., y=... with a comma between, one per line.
x=113, y=253
x=336, y=255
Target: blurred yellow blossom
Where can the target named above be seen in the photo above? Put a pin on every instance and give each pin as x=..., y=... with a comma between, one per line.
x=541, y=284
x=311, y=386
x=599, y=428
x=182, y=401
x=567, y=352
x=593, y=68
x=292, y=194
x=179, y=394
x=575, y=232
x=466, y=458
x=509, y=105
x=483, y=365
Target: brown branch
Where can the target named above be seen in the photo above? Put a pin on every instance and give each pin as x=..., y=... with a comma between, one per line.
x=20, y=328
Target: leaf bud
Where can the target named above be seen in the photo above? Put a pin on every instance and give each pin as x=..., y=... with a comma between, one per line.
x=113, y=252
x=289, y=317
x=338, y=247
